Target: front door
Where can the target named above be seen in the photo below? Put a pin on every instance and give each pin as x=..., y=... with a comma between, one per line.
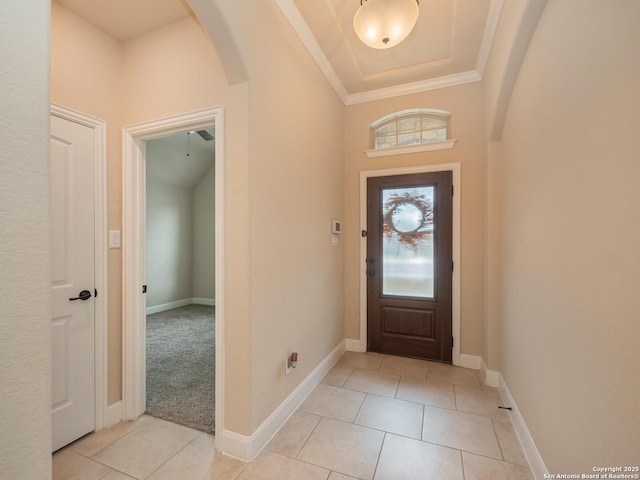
x=409, y=265
x=72, y=280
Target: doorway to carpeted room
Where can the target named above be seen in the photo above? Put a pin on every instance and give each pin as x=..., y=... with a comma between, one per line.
x=181, y=366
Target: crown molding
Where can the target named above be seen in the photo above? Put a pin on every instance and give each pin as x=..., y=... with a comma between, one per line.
x=414, y=87
x=298, y=23
x=296, y=20
x=493, y=18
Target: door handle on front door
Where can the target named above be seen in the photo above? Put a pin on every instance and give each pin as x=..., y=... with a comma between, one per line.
x=371, y=272
x=83, y=295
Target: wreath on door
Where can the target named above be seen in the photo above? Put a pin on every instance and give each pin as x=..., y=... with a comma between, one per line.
x=407, y=236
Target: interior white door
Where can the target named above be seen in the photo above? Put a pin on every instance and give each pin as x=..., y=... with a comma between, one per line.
x=72, y=281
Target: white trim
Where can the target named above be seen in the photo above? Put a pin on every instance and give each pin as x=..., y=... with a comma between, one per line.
x=307, y=37
x=134, y=138
x=204, y=301
x=424, y=147
x=247, y=448
x=355, y=345
x=490, y=28
x=294, y=16
x=454, y=168
x=470, y=361
x=168, y=306
x=114, y=414
x=491, y=378
x=163, y=307
x=538, y=468
x=453, y=80
x=100, y=256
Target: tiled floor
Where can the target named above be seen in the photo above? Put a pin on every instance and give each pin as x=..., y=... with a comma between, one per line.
x=373, y=417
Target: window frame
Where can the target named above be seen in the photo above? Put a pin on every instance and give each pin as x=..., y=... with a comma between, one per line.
x=396, y=118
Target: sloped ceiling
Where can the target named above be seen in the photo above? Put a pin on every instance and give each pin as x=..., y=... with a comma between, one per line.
x=168, y=162
x=449, y=45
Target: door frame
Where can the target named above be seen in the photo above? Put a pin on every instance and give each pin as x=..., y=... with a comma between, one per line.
x=454, y=168
x=100, y=302
x=133, y=254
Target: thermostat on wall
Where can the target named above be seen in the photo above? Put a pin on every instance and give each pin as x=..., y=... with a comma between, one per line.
x=336, y=226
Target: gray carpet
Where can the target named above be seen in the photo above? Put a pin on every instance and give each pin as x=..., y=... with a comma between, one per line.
x=181, y=366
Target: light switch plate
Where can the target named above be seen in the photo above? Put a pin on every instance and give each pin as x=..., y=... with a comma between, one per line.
x=114, y=238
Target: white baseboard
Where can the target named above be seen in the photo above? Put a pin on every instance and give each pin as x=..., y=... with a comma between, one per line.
x=204, y=301
x=355, y=345
x=470, y=361
x=114, y=413
x=491, y=377
x=246, y=448
x=168, y=306
x=538, y=468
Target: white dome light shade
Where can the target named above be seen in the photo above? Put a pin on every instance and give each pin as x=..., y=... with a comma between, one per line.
x=385, y=23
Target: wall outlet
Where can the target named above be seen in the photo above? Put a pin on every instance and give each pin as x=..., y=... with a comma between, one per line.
x=290, y=363
x=287, y=366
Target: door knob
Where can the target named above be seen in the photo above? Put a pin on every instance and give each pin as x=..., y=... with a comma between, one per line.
x=83, y=295
x=371, y=272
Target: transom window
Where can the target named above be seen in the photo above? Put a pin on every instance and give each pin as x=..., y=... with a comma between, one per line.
x=410, y=127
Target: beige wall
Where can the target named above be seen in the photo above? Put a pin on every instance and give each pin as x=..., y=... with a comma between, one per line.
x=169, y=71
x=566, y=174
x=296, y=124
x=284, y=184
x=86, y=75
x=25, y=331
x=465, y=104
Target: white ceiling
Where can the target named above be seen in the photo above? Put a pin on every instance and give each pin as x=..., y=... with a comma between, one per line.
x=449, y=45
x=168, y=162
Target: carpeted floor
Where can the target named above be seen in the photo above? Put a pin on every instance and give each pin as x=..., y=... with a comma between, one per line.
x=181, y=366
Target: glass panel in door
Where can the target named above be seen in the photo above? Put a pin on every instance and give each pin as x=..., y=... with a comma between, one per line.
x=408, y=255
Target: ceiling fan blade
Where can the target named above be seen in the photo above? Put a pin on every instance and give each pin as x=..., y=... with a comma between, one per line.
x=205, y=135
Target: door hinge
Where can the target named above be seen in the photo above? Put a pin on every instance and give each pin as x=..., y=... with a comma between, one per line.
x=144, y=289
x=95, y=293
x=363, y=233
x=453, y=341
x=452, y=191
x=452, y=266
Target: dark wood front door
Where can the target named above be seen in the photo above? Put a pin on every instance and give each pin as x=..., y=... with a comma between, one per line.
x=409, y=265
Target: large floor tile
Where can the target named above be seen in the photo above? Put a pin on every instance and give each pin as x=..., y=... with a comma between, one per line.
x=407, y=459
x=449, y=373
x=459, y=430
x=293, y=434
x=117, y=476
x=337, y=376
x=405, y=367
x=390, y=415
x=480, y=402
x=482, y=468
x=68, y=465
x=349, y=449
x=340, y=476
x=199, y=461
x=333, y=402
x=373, y=382
x=93, y=443
x=436, y=394
x=509, y=443
x=364, y=361
x=271, y=466
x=142, y=451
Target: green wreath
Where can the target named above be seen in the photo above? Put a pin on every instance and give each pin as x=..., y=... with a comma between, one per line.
x=413, y=238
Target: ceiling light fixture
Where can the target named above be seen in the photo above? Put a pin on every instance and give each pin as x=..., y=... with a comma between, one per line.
x=385, y=23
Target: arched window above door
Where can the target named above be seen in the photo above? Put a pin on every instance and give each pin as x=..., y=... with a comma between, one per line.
x=413, y=130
